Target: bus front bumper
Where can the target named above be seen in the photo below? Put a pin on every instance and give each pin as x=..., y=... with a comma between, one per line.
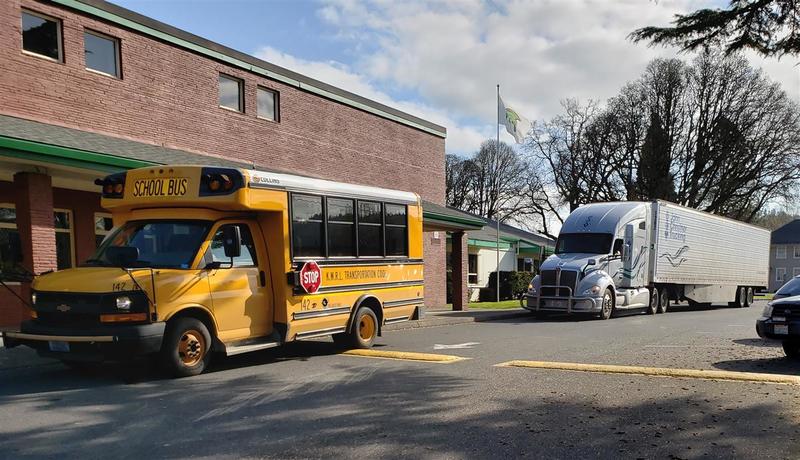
x=563, y=304
x=99, y=343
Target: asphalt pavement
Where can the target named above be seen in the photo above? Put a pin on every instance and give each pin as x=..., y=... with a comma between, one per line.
x=308, y=400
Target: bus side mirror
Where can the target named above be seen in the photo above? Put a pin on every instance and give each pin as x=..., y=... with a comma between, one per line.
x=232, y=241
x=122, y=256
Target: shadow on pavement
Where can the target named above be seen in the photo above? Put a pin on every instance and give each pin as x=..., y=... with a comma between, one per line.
x=757, y=342
x=780, y=365
x=396, y=410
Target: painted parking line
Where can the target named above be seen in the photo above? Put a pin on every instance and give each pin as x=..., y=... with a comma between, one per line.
x=657, y=371
x=405, y=356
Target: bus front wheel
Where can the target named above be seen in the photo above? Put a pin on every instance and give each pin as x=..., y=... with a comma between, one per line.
x=186, y=348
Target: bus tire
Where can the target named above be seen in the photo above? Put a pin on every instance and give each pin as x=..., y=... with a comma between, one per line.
x=186, y=348
x=364, y=329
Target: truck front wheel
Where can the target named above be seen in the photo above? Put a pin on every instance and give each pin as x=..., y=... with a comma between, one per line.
x=186, y=348
x=653, y=307
x=608, y=305
x=663, y=301
x=792, y=349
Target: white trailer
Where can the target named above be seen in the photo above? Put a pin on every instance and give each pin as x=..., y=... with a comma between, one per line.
x=629, y=255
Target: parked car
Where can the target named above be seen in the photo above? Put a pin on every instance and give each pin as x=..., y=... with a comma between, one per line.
x=780, y=320
x=790, y=289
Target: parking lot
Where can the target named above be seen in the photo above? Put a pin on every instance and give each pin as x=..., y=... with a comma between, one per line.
x=310, y=400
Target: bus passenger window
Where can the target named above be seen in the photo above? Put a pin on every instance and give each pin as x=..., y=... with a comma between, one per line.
x=396, y=235
x=307, y=226
x=247, y=258
x=370, y=239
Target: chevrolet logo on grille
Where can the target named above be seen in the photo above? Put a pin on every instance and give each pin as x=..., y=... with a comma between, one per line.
x=63, y=308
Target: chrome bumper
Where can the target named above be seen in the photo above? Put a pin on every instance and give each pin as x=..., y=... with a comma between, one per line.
x=568, y=304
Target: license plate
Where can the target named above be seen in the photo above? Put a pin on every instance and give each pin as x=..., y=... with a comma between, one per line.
x=780, y=329
x=166, y=186
x=59, y=346
x=560, y=304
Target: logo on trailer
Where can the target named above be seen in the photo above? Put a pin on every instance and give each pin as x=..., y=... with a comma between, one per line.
x=310, y=277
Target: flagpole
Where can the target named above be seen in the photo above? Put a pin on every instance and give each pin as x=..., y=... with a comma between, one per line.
x=497, y=214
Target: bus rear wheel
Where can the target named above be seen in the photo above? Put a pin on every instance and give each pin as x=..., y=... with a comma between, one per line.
x=364, y=329
x=186, y=349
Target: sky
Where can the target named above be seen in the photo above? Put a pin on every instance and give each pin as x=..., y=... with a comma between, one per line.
x=442, y=59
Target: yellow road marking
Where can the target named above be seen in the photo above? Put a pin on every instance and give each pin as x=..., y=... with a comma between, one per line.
x=405, y=356
x=657, y=371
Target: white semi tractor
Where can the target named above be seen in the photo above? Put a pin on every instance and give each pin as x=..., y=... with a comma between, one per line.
x=643, y=255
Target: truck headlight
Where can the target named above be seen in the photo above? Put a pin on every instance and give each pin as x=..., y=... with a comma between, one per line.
x=124, y=303
x=33, y=298
x=531, y=289
x=767, y=311
x=594, y=290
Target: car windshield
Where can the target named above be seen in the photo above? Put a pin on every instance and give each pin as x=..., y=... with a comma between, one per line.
x=161, y=244
x=587, y=243
x=790, y=289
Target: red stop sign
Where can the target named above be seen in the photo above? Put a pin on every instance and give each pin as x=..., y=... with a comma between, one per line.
x=310, y=277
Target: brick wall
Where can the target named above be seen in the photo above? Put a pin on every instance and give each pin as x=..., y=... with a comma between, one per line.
x=169, y=96
x=435, y=270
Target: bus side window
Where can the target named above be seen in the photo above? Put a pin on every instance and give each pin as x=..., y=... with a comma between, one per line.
x=216, y=252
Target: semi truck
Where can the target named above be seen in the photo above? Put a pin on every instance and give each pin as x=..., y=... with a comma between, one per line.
x=643, y=255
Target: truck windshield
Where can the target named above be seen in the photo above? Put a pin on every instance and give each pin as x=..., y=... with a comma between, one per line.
x=161, y=244
x=586, y=243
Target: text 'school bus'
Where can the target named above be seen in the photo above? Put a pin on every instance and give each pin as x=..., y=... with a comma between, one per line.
x=224, y=260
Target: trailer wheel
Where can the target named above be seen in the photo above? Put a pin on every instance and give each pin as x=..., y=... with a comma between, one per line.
x=741, y=297
x=608, y=305
x=663, y=301
x=792, y=349
x=654, y=298
x=749, y=296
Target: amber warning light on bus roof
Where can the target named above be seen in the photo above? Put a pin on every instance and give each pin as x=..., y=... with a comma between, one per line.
x=220, y=181
x=113, y=185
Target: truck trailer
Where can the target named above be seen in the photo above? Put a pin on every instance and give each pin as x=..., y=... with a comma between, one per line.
x=643, y=255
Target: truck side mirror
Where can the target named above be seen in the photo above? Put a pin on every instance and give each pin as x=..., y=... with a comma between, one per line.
x=591, y=262
x=232, y=241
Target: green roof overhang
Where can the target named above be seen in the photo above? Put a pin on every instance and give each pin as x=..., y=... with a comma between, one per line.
x=465, y=223
x=65, y=156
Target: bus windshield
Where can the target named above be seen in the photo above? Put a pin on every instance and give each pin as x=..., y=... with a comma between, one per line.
x=161, y=244
x=586, y=243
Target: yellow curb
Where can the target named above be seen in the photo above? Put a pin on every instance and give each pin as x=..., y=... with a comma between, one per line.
x=657, y=371
x=405, y=356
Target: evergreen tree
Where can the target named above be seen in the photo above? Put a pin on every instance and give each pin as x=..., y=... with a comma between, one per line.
x=654, y=179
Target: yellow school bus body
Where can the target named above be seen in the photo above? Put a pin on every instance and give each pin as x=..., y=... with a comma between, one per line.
x=252, y=307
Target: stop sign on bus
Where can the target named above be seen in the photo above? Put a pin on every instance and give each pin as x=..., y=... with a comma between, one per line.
x=310, y=277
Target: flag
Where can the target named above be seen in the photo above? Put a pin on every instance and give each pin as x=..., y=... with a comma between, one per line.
x=516, y=125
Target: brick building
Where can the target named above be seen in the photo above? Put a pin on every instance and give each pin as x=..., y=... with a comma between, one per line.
x=88, y=88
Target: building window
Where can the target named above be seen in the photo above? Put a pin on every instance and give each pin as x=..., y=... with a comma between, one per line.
x=370, y=236
x=396, y=230
x=780, y=274
x=102, y=53
x=795, y=271
x=10, y=246
x=102, y=227
x=41, y=35
x=267, y=104
x=230, y=93
x=472, y=268
x=65, y=257
x=797, y=252
x=307, y=226
x=525, y=264
x=780, y=252
x=341, y=227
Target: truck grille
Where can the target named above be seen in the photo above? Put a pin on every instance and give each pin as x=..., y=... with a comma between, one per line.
x=568, y=279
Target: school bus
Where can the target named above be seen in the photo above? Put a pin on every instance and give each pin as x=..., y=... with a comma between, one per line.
x=206, y=260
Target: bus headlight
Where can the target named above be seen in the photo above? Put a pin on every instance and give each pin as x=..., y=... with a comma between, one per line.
x=124, y=303
x=767, y=311
x=594, y=290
